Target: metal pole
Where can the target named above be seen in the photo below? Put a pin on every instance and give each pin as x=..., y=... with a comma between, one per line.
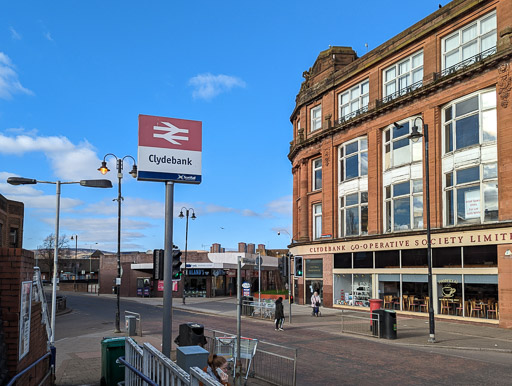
x=185, y=270
x=55, y=263
x=118, y=280
x=289, y=258
x=432, y=337
x=167, y=316
x=259, y=278
x=76, y=245
x=238, y=369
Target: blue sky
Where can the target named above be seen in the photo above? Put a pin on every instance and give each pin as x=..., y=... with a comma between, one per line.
x=75, y=75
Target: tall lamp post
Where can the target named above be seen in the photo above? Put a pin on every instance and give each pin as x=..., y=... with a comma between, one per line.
x=291, y=286
x=415, y=136
x=76, y=253
x=103, y=169
x=29, y=181
x=193, y=217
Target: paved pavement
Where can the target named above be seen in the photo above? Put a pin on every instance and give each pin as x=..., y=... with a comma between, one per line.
x=79, y=358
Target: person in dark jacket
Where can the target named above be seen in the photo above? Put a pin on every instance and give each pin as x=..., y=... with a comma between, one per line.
x=279, y=314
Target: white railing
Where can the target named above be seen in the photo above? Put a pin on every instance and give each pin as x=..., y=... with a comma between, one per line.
x=156, y=366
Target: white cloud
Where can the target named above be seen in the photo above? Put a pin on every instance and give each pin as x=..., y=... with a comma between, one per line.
x=69, y=161
x=14, y=34
x=131, y=207
x=206, y=86
x=48, y=36
x=281, y=206
x=9, y=83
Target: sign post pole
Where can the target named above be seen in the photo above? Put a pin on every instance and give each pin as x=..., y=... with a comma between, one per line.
x=238, y=368
x=167, y=317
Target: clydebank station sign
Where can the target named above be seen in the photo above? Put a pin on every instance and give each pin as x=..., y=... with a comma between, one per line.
x=169, y=149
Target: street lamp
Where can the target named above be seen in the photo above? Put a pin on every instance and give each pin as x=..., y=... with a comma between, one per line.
x=103, y=169
x=291, y=286
x=193, y=217
x=29, y=181
x=415, y=136
x=76, y=247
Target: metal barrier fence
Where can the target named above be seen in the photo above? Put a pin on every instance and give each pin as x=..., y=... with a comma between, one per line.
x=154, y=365
x=360, y=322
x=263, y=309
x=272, y=363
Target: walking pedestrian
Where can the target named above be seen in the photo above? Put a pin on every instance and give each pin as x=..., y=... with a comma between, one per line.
x=315, y=303
x=279, y=315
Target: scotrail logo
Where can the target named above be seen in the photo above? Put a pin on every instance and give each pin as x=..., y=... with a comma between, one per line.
x=171, y=133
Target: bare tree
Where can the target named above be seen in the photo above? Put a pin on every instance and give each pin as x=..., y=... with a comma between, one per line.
x=46, y=251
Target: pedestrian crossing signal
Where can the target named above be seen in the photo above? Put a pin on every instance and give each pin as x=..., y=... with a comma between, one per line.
x=176, y=264
x=298, y=266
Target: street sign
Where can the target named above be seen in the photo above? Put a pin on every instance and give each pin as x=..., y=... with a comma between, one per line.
x=248, y=260
x=259, y=261
x=170, y=149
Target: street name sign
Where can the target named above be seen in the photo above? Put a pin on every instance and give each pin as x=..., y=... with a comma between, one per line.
x=170, y=149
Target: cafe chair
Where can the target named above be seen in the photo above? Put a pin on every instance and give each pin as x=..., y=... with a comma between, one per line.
x=493, y=310
x=388, y=299
x=445, y=306
x=475, y=308
x=459, y=309
x=412, y=303
x=405, y=303
x=425, y=304
x=396, y=303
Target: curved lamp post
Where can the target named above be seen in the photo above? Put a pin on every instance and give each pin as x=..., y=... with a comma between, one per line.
x=193, y=217
x=29, y=181
x=415, y=136
x=103, y=169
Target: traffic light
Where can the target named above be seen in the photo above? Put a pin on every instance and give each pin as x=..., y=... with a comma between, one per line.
x=283, y=266
x=158, y=264
x=298, y=266
x=176, y=264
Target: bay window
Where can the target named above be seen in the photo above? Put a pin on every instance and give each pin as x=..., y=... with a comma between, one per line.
x=353, y=159
x=353, y=209
x=403, y=205
x=470, y=121
x=398, y=148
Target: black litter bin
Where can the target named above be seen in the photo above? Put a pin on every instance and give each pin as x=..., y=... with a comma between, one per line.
x=248, y=308
x=386, y=324
x=191, y=334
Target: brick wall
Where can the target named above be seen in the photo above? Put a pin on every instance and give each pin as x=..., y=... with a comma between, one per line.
x=16, y=266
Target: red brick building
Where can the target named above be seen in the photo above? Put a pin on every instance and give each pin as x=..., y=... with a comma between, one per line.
x=359, y=190
x=11, y=223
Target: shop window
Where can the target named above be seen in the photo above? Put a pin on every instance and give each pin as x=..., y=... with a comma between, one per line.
x=446, y=257
x=354, y=214
x=481, y=256
x=414, y=292
x=449, y=289
x=403, y=77
x=317, y=221
x=352, y=290
x=398, y=147
x=343, y=260
x=317, y=173
x=404, y=206
x=389, y=290
x=470, y=121
x=363, y=260
x=354, y=101
x=481, y=295
x=414, y=258
x=316, y=118
x=353, y=159
x=387, y=259
x=469, y=41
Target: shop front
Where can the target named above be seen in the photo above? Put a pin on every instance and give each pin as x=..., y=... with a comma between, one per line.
x=197, y=282
x=465, y=273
